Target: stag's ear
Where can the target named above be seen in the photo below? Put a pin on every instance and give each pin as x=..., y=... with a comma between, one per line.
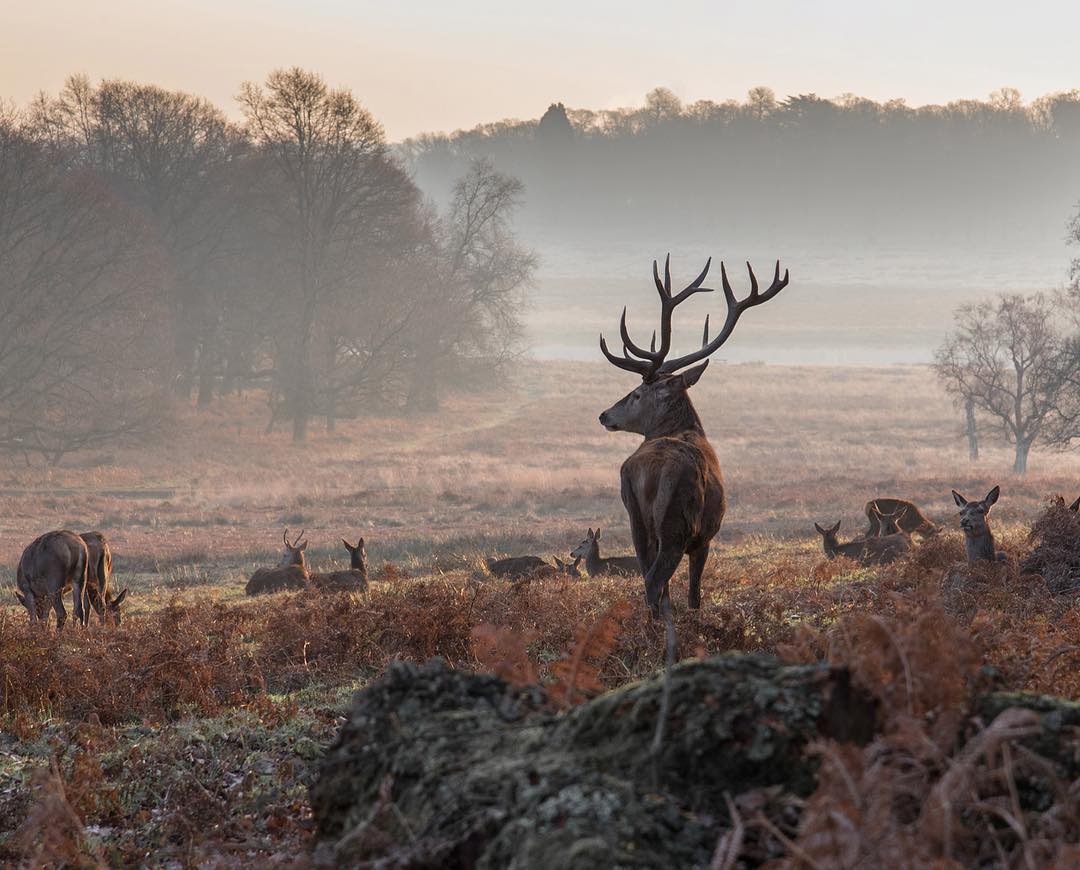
x=20, y=596
x=302, y=547
x=959, y=499
x=360, y=544
x=1075, y=506
x=119, y=599
x=692, y=374
x=821, y=531
x=992, y=497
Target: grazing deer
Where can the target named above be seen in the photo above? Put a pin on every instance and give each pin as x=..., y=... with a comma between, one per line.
x=291, y=572
x=911, y=519
x=869, y=551
x=597, y=565
x=49, y=566
x=672, y=486
x=353, y=580
x=98, y=575
x=978, y=539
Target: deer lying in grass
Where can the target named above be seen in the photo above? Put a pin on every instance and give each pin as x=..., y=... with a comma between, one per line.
x=291, y=572
x=671, y=486
x=98, y=576
x=49, y=566
x=353, y=580
x=978, y=539
x=519, y=567
x=910, y=518
x=597, y=565
x=869, y=551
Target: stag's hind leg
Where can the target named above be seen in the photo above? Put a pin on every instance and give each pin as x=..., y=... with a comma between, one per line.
x=656, y=580
x=697, y=566
x=644, y=543
x=61, y=611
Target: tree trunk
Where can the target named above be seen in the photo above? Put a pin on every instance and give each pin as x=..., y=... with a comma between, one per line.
x=972, y=434
x=1022, y=448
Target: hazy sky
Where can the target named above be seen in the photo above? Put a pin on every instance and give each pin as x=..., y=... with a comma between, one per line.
x=445, y=65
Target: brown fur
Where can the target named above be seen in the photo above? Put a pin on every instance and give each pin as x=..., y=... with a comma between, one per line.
x=49, y=566
x=910, y=519
x=978, y=539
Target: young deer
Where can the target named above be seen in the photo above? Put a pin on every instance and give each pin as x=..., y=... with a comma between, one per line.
x=353, y=580
x=291, y=572
x=672, y=487
x=978, y=539
x=597, y=565
x=48, y=567
x=870, y=551
x=911, y=519
x=98, y=575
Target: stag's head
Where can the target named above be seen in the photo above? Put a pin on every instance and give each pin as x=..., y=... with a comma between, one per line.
x=973, y=513
x=294, y=552
x=357, y=555
x=660, y=405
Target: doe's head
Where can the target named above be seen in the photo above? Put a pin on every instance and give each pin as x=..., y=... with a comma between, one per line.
x=973, y=513
x=591, y=544
x=357, y=555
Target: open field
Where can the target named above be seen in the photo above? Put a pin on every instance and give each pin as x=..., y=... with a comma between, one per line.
x=189, y=733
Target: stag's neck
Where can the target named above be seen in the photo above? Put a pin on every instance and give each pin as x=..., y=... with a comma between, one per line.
x=680, y=419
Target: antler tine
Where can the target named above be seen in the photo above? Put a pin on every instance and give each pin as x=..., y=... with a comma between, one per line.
x=628, y=344
x=297, y=539
x=735, y=308
x=705, y=332
x=652, y=344
x=640, y=367
x=285, y=536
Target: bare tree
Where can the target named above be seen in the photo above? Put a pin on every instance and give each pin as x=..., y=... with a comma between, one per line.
x=472, y=319
x=1010, y=358
x=330, y=158
x=168, y=155
x=78, y=277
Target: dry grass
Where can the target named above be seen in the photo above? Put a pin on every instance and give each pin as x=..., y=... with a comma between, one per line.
x=187, y=733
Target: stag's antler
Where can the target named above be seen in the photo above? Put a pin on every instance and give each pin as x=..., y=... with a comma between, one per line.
x=653, y=362
x=285, y=539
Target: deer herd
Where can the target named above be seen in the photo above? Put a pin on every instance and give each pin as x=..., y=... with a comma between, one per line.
x=672, y=489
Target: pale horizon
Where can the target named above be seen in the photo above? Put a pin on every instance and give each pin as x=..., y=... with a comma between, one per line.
x=433, y=68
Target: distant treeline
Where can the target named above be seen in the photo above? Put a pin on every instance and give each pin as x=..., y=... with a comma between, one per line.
x=150, y=248
x=845, y=170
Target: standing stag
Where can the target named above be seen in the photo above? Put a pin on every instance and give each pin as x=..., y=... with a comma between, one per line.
x=49, y=566
x=291, y=572
x=672, y=486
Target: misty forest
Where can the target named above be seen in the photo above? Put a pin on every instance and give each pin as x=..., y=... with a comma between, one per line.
x=335, y=534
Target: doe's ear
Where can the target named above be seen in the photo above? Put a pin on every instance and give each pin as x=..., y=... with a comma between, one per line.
x=348, y=546
x=835, y=528
x=596, y=537
x=1075, y=506
x=20, y=596
x=959, y=499
x=992, y=497
x=360, y=544
x=821, y=531
x=693, y=374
